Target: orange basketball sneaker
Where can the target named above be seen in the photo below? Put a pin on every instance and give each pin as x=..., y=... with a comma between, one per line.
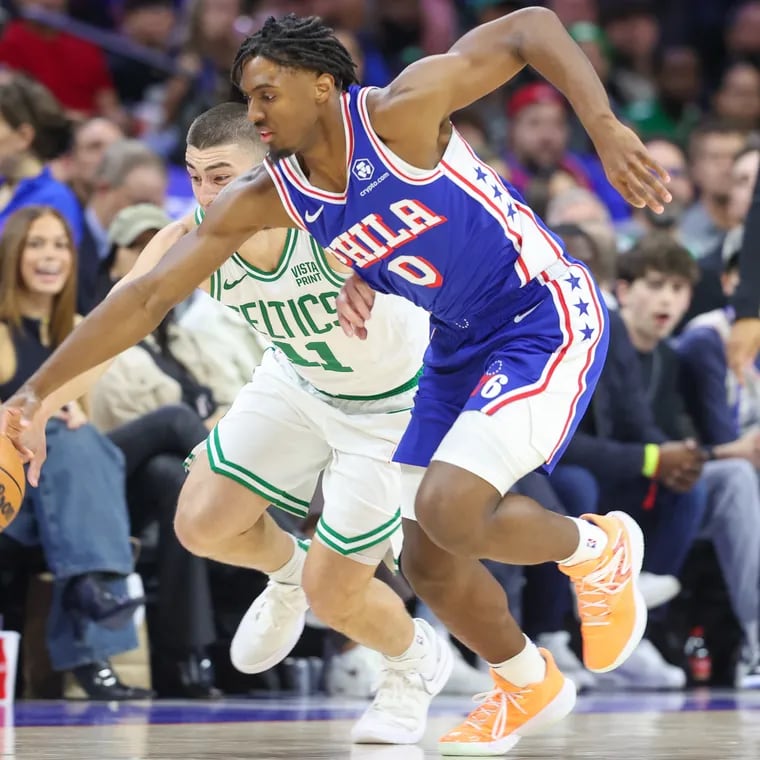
x=510, y=712
x=612, y=610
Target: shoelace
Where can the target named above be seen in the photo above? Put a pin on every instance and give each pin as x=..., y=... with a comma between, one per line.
x=280, y=595
x=396, y=689
x=496, y=701
x=594, y=592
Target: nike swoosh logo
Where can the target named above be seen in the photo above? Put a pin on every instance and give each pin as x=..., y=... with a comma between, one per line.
x=519, y=318
x=313, y=217
x=227, y=285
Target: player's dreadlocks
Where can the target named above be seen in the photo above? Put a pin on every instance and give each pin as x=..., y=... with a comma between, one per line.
x=301, y=43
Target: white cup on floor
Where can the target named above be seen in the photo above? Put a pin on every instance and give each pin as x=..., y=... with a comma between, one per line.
x=9, y=643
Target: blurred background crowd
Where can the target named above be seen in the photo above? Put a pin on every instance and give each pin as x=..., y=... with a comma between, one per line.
x=96, y=97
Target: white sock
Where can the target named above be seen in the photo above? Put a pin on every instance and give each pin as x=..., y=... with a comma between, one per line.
x=420, y=645
x=292, y=571
x=591, y=543
x=524, y=668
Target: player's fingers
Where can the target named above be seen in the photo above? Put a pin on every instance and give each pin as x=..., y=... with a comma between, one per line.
x=346, y=326
x=631, y=192
x=366, y=293
x=35, y=467
x=352, y=315
x=11, y=423
x=652, y=184
x=638, y=181
x=358, y=298
x=655, y=167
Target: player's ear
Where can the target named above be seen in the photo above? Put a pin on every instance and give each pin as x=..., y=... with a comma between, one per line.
x=324, y=87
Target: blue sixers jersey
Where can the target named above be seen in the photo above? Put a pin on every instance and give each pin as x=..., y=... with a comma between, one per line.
x=456, y=240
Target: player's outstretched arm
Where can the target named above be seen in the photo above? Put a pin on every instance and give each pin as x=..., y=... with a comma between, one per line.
x=148, y=260
x=481, y=61
x=134, y=310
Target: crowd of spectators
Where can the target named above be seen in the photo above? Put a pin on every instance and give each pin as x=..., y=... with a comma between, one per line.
x=96, y=97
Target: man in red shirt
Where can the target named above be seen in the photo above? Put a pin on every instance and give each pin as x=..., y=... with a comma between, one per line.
x=74, y=70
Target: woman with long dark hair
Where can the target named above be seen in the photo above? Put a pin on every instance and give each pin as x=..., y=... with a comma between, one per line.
x=78, y=513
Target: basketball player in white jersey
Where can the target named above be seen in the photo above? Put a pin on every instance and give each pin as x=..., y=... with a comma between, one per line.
x=319, y=401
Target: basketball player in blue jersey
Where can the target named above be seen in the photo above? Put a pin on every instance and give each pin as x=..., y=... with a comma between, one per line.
x=519, y=335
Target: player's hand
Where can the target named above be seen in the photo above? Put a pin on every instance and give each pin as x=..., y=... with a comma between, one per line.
x=24, y=423
x=630, y=168
x=680, y=465
x=743, y=346
x=354, y=303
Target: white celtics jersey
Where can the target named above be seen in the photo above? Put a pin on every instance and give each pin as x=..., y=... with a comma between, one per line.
x=294, y=308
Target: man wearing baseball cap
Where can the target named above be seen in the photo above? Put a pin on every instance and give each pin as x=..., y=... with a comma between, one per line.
x=131, y=230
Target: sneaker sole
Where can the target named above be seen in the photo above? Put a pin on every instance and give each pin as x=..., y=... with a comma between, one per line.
x=560, y=707
x=241, y=643
x=395, y=735
x=636, y=540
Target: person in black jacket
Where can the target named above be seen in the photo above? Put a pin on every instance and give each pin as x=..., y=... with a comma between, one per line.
x=654, y=288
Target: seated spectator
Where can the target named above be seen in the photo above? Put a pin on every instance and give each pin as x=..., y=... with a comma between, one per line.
x=538, y=145
x=91, y=140
x=33, y=131
x=74, y=70
x=712, y=147
x=152, y=405
x=77, y=514
x=129, y=174
x=738, y=97
x=672, y=158
x=655, y=283
x=148, y=24
x=723, y=408
x=709, y=291
x=674, y=112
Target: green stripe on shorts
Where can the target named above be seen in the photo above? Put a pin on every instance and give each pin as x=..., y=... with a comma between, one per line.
x=345, y=545
x=276, y=496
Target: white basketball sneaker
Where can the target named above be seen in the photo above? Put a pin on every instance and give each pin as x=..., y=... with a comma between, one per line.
x=398, y=714
x=270, y=628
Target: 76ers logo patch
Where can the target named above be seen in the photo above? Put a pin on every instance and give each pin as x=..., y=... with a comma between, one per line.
x=363, y=169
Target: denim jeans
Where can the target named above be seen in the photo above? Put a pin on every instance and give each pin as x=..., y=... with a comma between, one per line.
x=78, y=516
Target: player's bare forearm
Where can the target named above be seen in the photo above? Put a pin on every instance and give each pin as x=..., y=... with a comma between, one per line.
x=156, y=249
x=537, y=38
x=490, y=55
x=120, y=321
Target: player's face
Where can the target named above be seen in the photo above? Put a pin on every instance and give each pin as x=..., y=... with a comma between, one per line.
x=284, y=104
x=212, y=169
x=46, y=259
x=654, y=304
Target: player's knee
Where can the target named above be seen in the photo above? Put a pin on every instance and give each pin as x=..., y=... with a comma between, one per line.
x=196, y=522
x=450, y=522
x=424, y=566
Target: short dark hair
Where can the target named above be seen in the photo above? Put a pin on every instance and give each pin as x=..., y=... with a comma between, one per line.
x=711, y=126
x=23, y=100
x=657, y=252
x=225, y=124
x=299, y=43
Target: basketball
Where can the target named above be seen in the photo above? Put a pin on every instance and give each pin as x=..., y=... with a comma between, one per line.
x=12, y=482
